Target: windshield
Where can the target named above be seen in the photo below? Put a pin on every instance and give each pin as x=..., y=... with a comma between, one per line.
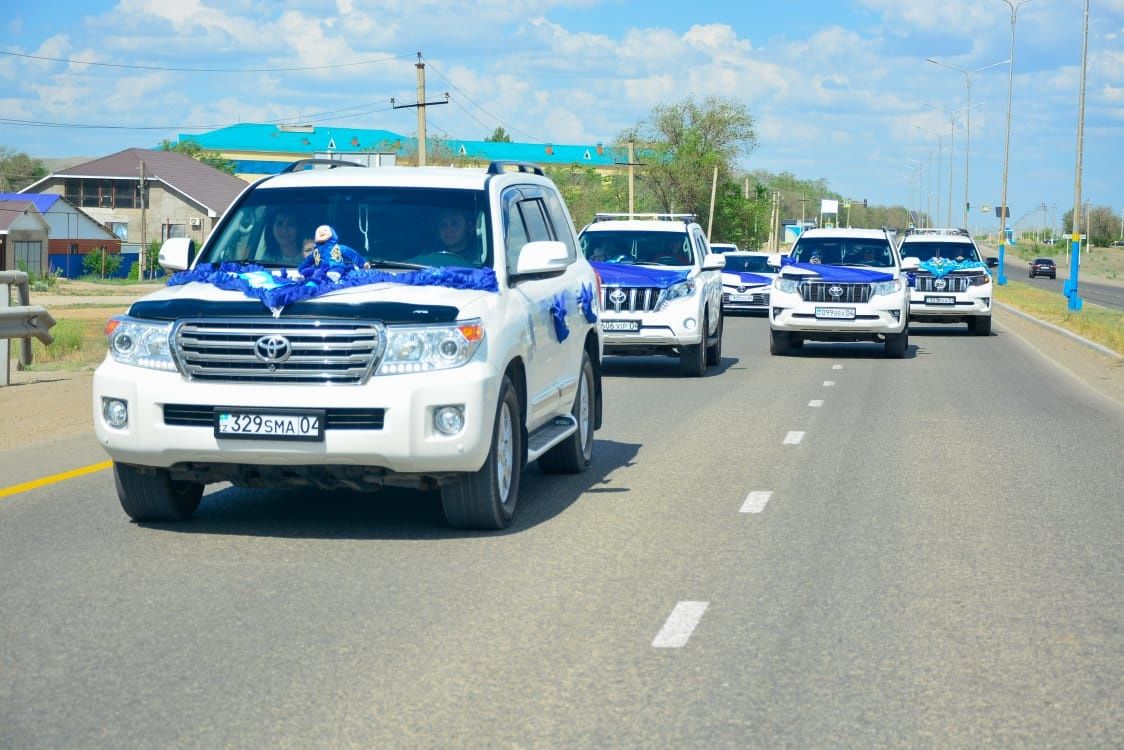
x=386, y=225
x=749, y=263
x=923, y=251
x=638, y=247
x=844, y=251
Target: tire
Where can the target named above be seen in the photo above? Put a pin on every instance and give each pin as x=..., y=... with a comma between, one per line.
x=780, y=343
x=692, y=358
x=573, y=455
x=150, y=494
x=478, y=500
x=980, y=326
x=897, y=344
x=714, y=351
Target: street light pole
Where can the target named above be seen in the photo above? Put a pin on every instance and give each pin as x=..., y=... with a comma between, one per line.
x=968, y=124
x=1001, y=277
x=1075, y=245
x=940, y=155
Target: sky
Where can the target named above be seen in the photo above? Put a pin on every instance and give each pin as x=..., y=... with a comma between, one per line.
x=839, y=91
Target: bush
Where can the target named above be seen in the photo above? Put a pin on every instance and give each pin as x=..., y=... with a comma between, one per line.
x=68, y=338
x=101, y=263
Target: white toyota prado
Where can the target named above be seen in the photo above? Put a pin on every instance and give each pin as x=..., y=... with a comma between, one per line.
x=951, y=283
x=441, y=333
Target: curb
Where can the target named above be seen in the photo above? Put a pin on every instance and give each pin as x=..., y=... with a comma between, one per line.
x=1063, y=331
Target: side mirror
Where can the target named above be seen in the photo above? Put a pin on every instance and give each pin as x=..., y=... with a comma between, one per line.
x=713, y=262
x=774, y=260
x=177, y=254
x=911, y=263
x=542, y=257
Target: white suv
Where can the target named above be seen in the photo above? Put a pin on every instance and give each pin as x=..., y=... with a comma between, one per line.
x=951, y=283
x=415, y=365
x=840, y=285
x=661, y=287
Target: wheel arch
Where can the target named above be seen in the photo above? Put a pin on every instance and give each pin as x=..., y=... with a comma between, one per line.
x=516, y=372
x=591, y=349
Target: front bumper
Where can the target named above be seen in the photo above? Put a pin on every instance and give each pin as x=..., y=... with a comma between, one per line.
x=406, y=443
x=676, y=325
x=973, y=303
x=750, y=300
x=884, y=314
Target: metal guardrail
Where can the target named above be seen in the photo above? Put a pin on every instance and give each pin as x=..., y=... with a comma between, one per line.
x=23, y=322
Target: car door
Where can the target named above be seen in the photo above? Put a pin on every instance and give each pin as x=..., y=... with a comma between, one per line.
x=711, y=281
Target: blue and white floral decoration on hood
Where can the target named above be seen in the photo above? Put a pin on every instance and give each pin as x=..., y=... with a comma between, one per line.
x=329, y=268
x=827, y=272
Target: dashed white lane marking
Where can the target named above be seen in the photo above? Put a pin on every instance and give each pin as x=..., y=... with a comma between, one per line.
x=756, y=501
x=793, y=438
x=815, y=403
x=828, y=383
x=837, y=367
x=680, y=624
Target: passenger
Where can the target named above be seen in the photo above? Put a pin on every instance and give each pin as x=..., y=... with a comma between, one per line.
x=283, y=241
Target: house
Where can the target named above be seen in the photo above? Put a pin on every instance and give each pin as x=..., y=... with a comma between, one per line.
x=23, y=237
x=71, y=232
x=181, y=196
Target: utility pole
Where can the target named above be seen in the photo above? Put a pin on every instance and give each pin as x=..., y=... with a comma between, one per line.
x=1074, y=303
x=143, y=227
x=632, y=164
x=420, y=106
x=803, y=200
x=713, y=191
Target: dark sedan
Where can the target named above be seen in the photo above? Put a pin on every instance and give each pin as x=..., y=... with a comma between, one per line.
x=1043, y=267
x=992, y=261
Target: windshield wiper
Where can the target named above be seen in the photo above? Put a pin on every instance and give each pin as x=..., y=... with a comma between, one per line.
x=387, y=263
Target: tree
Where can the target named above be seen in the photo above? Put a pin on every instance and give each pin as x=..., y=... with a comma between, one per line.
x=499, y=135
x=197, y=152
x=682, y=143
x=1100, y=224
x=18, y=170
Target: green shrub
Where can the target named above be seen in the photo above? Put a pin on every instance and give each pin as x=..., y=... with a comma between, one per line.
x=68, y=338
x=101, y=263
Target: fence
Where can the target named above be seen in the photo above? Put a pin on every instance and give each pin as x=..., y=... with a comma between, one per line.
x=22, y=322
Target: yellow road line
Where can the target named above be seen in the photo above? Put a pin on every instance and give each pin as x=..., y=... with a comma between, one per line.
x=15, y=489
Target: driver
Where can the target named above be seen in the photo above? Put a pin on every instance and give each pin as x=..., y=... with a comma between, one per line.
x=452, y=231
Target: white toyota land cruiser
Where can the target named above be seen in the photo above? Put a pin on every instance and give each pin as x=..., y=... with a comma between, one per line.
x=840, y=285
x=661, y=287
x=951, y=283
x=440, y=332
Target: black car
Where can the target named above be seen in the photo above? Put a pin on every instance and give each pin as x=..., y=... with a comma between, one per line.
x=991, y=261
x=1043, y=267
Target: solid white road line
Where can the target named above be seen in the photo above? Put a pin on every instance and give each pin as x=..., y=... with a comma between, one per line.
x=837, y=367
x=793, y=438
x=815, y=403
x=828, y=383
x=756, y=501
x=680, y=624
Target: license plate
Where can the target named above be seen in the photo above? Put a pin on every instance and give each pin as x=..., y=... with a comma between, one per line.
x=843, y=313
x=624, y=326
x=269, y=424
x=940, y=300
x=741, y=297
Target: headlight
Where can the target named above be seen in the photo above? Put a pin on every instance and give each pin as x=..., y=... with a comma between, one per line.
x=140, y=343
x=886, y=287
x=682, y=289
x=787, y=286
x=979, y=280
x=428, y=348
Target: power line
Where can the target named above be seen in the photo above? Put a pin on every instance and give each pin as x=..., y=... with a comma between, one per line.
x=202, y=70
x=436, y=70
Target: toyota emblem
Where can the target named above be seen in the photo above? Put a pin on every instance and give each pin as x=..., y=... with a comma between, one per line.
x=617, y=297
x=273, y=349
x=835, y=291
x=741, y=289
x=939, y=284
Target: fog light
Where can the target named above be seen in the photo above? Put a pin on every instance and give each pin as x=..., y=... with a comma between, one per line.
x=690, y=324
x=115, y=412
x=897, y=314
x=777, y=311
x=448, y=420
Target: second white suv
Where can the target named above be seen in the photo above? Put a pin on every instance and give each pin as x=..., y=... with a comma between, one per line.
x=951, y=283
x=840, y=285
x=661, y=287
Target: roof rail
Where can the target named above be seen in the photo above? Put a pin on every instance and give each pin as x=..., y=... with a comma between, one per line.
x=500, y=167
x=685, y=218
x=302, y=164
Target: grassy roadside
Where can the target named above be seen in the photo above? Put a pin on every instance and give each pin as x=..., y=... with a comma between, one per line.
x=1102, y=325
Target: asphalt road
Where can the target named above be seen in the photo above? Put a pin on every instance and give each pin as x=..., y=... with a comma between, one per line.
x=1091, y=292
x=827, y=550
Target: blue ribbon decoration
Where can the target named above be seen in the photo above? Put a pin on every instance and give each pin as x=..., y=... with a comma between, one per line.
x=841, y=274
x=276, y=291
x=749, y=279
x=623, y=275
x=943, y=266
x=585, y=300
x=558, y=313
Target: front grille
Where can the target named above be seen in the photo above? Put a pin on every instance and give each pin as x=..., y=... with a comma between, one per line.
x=194, y=415
x=834, y=291
x=319, y=351
x=952, y=284
x=635, y=299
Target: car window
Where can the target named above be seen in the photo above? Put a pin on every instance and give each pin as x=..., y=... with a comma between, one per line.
x=924, y=251
x=748, y=263
x=560, y=222
x=638, y=246
x=845, y=251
